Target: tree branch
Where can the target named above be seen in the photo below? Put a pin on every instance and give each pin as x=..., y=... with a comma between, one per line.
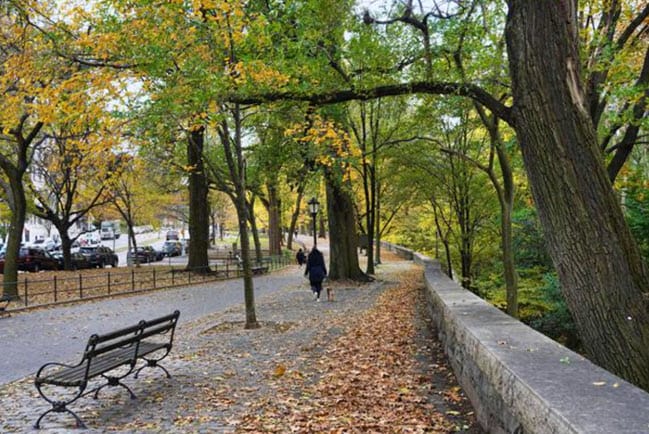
x=425, y=87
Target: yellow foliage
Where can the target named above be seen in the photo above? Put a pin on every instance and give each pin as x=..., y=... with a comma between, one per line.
x=332, y=146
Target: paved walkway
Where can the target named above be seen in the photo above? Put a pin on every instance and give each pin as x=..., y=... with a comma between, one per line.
x=32, y=338
x=218, y=368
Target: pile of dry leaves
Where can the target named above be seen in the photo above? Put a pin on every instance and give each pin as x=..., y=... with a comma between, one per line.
x=387, y=374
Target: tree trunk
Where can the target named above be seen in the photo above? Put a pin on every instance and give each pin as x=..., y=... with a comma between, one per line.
x=343, y=242
x=199, y=212
x=506, y=200
x=369, y=189
x=466, y=237
x=18, y=204
x=602, y=274
x=132, y=242
x=322, y=232
x=248, y=286
x=234, y=158
x=274, y=222
x=253, y=229
x=377, y=226
x=509, y=264
x=66, y=247
x=294, y=217
x=233, y=151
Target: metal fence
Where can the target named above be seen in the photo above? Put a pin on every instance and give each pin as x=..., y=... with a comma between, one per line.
x=38, y=291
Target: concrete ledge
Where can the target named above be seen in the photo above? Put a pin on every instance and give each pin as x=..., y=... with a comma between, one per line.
x=520, y=381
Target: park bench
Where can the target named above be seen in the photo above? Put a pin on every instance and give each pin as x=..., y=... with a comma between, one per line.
x=4, y=303
x=256, y=270
x=259, y=269
x=149, y=341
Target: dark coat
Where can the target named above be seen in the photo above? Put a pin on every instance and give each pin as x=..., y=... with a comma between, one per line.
x=315, y=266
x=301, y=258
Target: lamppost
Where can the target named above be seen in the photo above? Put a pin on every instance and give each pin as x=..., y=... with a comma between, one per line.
x=313, y=209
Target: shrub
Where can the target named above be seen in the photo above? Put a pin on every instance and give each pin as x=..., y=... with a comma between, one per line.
x=557, y=322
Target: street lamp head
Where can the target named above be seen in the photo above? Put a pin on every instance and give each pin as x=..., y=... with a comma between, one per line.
x=313, y=206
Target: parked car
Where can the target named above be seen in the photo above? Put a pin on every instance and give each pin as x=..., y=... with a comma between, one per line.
x=158, y=255
x=142, y=255
x=99, y=256
x=46, y=244
x=172, y=248
x=79, y=261
x=172, y=235
x=33, y=259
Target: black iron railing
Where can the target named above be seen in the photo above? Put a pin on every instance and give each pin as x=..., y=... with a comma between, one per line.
x=38, y=290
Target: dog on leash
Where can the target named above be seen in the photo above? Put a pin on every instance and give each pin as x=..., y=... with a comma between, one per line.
x=330, y=293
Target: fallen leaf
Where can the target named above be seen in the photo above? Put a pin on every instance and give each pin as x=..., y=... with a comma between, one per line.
x=279, y=370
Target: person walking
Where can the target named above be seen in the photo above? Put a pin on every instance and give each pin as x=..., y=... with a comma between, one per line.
x=301, y=257
x=316, y=270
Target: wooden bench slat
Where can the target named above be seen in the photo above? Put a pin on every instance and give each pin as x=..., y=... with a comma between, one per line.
x=150, y=347
x=75, y=376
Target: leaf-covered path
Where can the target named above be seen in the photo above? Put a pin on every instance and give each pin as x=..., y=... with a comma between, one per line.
x=384, y=374
x=365, y=362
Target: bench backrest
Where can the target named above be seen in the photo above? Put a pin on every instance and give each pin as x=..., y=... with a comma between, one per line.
x=100, y=344
x=163, y=326
x=130, y=337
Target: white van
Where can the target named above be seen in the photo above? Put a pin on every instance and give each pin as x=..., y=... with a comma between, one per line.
x=107, y=233
x=110, y=229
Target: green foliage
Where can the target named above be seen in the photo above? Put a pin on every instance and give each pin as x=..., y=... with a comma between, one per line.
x=541, y=304
x=415, y=232
x=556, y=322
x=637, y=214
x=529, y=245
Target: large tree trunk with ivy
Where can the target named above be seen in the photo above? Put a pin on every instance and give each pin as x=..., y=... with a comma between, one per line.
x=343, y=240
x=602, y=274
x=199, y=212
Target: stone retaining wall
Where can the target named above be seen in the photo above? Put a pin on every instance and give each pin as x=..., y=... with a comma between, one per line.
x=518, y=380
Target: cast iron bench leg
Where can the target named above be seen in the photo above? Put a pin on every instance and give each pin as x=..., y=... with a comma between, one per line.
x=114, y=381
x=60, y=407
x=152, y=363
